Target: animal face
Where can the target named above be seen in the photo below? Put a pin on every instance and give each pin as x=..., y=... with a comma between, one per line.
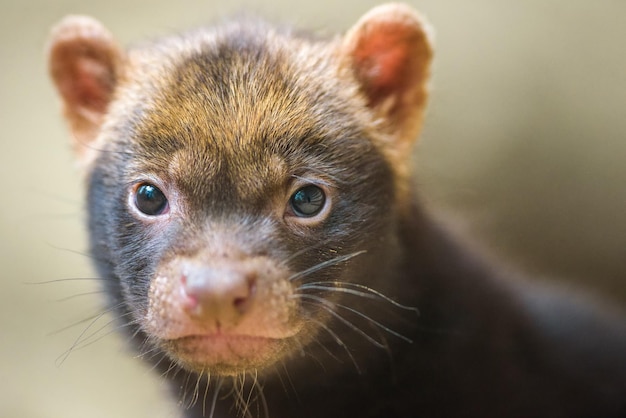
x=243, y=179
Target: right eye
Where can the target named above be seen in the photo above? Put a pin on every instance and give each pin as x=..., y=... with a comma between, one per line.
x=308, y=201
x=150, y=200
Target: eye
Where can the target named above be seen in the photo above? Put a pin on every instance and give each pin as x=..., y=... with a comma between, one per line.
x=307, y=201
x=150, y=200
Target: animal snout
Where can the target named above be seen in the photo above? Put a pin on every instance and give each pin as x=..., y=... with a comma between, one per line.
x=219, y=293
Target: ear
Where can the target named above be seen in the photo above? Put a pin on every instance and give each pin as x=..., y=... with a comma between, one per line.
x=389, y=52
x=85, y=65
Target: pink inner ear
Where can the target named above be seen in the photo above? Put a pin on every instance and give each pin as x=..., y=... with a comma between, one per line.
x=384, y=60
x=86, y=80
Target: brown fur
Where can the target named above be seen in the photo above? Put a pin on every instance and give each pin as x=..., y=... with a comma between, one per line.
x=230, y=283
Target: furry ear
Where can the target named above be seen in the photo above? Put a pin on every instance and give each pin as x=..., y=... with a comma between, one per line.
x=389, y=51
x=85, y=65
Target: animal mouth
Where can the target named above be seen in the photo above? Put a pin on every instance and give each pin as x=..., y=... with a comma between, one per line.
x=225, y=354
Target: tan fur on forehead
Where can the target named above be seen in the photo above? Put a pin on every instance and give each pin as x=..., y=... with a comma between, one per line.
x=179, y=163
x=270, y=169
x=271, y=96
x=253, y=94
x=162, y=93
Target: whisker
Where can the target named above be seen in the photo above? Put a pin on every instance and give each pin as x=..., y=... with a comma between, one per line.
x=172, y=366
x=196, y=391
x=64, y=356
x=177, y=370
x=215, y=395
x=378, y=324
x=325, y=264
x=242, y=404
x=158, y=363
x=255, y=389
x=108, y=151
x=83, y=341
x=328, y=306
x=280, y=377
x=324, y=173
x=330, y=353
x=94, y=338
x=77, y=295
x=316, y=286
x=206, y=392
x=305, y=250
x=313, y=181
x=72, y=325
x=183, y=395
x=71, y=279
x=370, y=293
x=254, y=382
x=142, y=355
x=69, y=250
x=261, y=396
x=339, y=342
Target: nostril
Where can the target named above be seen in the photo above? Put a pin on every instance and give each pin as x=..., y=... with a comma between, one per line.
x=243, y=302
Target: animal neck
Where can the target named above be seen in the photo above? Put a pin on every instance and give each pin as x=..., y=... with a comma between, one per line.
x=454, y=283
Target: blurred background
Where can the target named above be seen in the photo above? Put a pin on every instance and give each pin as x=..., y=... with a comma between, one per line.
x=524, y=152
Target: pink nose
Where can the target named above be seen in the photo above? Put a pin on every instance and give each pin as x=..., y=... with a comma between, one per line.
x=218, y=294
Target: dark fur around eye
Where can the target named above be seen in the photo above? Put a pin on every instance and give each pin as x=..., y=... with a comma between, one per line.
x=308, y=201
x=150, y=200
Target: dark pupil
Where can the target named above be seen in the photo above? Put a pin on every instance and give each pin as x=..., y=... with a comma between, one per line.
x=308, y=201
x=150, y=200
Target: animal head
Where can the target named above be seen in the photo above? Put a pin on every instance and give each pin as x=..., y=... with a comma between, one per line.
x=238, y=176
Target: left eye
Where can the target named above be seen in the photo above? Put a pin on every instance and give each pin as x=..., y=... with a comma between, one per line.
x=150, y=200
x=307, y=201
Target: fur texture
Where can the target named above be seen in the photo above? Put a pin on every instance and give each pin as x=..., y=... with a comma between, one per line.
x=366, y=308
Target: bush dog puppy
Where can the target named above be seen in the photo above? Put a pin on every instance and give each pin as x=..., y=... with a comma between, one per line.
x=251, y=209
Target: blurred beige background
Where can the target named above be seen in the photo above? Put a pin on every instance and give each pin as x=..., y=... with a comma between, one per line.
x=524, y=151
